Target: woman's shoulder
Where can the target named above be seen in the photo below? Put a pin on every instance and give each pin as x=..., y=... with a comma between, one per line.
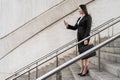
x=88, y=16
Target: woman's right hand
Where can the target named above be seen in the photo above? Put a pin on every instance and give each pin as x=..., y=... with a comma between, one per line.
x=86, y=42
x=66, y=24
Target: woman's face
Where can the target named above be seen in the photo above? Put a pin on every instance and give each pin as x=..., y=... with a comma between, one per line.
x=80, y=10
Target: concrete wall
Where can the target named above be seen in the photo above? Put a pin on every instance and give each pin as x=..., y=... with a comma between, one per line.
x=26, y=13
x=103, y=10
x=56, y=35
x=14, y=13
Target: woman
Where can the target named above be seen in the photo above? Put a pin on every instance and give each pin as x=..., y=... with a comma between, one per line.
x=83, y=27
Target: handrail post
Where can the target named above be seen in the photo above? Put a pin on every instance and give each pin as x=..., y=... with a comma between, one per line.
x=108, y=36
x=95, y=40
x=58, y=76
x=15, y=75
x=28, y=75
x=99, y=63
x=76, y=48
x=112, y=30
x=113, y=44
x=37, y=70
x=57, y=60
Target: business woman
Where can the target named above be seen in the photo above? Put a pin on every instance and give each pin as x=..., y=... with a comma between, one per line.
x=83, y=27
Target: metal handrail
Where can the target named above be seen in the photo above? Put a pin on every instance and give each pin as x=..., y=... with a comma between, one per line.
x=31, y=19
x=64, y=65
x=71, y=47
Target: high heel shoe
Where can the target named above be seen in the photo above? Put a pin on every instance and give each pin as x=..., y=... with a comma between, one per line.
x=79, y=73
x=85, y=73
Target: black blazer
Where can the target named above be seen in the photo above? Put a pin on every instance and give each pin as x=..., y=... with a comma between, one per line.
x=83, y=27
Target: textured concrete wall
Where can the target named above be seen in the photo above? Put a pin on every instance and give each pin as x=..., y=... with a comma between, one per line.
x=14, y=13
x=56, y=35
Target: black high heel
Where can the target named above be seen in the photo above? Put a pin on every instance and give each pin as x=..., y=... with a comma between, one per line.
x=80, y=73
x=85, y=73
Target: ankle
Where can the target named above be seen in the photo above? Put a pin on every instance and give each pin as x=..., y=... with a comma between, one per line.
x=81, y=70
x=85, y=70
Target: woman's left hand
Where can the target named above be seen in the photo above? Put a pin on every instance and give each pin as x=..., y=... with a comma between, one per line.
x=85, y=42
x=66, y=24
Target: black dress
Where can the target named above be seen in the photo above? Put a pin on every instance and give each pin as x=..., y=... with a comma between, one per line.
x=83, y=29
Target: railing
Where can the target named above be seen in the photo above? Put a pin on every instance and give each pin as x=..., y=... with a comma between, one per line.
x=62, y=47
x=78, y=57
x=58, y=53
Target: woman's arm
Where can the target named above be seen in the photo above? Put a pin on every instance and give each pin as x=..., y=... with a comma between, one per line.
x=70, y=26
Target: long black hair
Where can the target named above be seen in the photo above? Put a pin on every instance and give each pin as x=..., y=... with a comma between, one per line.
x=84, y=8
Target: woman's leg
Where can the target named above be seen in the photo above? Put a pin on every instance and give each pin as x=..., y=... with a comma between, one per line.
x=82, y=65
x=85, y=62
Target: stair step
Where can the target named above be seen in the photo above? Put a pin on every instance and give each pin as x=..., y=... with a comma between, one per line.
x=45, y=69
x=111, y=67
x=110, y=56
x=33, y=75
x=20, y=78
x=42, y=71
x=114, y=44
x=116, y=41
x=23, y=77
x=66, y=73
x=49, y=68
x=102, y=75
x=111, y=49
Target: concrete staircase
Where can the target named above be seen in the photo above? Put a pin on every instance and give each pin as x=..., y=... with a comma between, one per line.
x=110, y=66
